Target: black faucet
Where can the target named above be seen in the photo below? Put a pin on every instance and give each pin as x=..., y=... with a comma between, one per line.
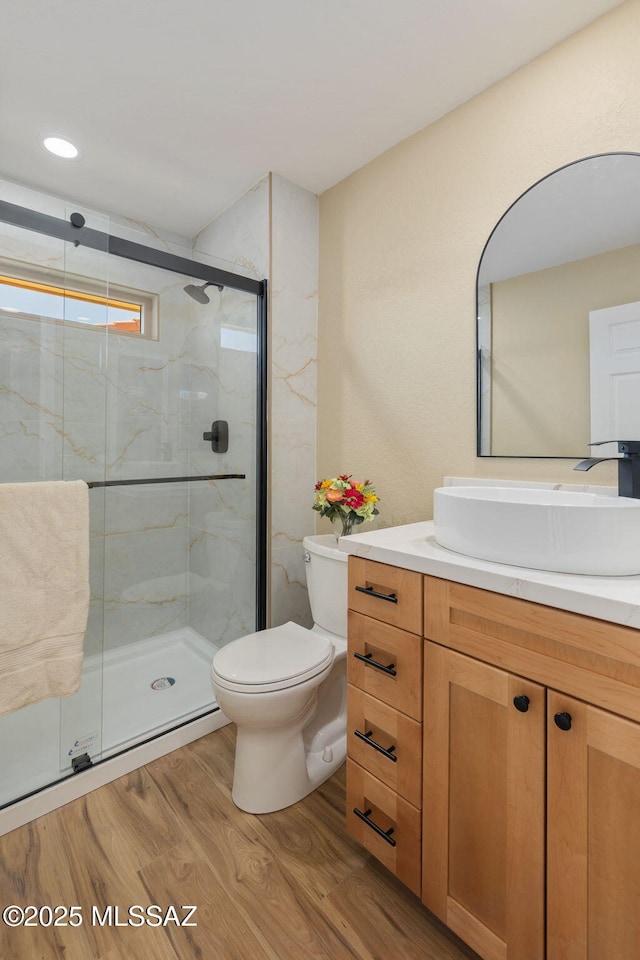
x=628, y=466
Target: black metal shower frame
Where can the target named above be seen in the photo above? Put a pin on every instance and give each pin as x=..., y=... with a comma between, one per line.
x=75, y=231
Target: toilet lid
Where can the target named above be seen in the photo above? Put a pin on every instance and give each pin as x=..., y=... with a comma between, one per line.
x=288, y=652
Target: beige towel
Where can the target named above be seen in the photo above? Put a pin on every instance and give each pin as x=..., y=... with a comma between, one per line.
x=44, y=589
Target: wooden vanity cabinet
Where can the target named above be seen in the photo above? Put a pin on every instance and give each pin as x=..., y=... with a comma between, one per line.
x=514, y=801
x=484, y=803
x=516, y=792
x=593, y=869
x=384, y=715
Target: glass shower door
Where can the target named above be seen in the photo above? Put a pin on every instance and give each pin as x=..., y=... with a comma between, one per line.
x=52, y=427
x=89, y=309
x=149, y=386
x=180, y=548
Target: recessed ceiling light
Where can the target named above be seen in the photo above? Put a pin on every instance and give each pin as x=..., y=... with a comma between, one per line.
x=61, y=147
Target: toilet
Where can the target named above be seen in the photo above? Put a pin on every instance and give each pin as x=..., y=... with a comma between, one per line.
x=286, y=690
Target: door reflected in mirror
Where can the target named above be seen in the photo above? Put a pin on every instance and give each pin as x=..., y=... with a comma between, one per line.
x=558, y=367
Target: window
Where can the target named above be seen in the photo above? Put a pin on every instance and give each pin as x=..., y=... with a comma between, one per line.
x=235, y=338
x=33, y=293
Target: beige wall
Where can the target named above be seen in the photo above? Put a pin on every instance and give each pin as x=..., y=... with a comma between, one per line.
x=540, y=351
x=400, y=241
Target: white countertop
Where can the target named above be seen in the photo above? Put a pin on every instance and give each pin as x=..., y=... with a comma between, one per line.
x=616, y=599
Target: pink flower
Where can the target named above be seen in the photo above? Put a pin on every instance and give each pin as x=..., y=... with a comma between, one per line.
x=354, y=499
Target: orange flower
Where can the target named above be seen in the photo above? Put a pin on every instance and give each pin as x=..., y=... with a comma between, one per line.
x=334, y=496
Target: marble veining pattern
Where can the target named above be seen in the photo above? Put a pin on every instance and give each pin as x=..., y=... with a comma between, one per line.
x=274, y=228
x=294, y=283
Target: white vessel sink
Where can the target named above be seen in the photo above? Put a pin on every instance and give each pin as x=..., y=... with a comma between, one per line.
x=544, y=529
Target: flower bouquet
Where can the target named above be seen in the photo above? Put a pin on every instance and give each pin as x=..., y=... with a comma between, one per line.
x=345, y=502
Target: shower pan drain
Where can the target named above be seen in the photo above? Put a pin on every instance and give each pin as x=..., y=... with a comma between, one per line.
x=163, y=683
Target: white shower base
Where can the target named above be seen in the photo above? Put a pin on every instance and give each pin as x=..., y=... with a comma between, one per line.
x=115, y=709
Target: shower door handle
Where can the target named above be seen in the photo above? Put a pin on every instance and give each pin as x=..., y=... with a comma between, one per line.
x=218, y=436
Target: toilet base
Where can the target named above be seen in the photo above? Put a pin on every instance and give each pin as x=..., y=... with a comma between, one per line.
x=272, y=770
x=288, y=741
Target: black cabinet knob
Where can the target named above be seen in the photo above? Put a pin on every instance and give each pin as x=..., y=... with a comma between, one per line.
x=562, y=720
x=521, y=703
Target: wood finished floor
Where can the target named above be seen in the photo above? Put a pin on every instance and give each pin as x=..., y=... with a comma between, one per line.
x=287, y=886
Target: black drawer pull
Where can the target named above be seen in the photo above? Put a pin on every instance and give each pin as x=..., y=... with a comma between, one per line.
x=391, y=597
x=367, y=658
x=389, y=754
x=385, y=834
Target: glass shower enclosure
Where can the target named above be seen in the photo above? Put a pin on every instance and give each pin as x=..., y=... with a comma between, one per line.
x=142, y=373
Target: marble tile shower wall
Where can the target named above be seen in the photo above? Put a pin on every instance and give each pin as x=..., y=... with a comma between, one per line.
x=272, y=231
x=222, y=549
x=75, y=402
x=294, y=293
x=240, y=235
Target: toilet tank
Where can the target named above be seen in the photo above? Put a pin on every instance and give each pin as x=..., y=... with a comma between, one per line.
x=326, y=569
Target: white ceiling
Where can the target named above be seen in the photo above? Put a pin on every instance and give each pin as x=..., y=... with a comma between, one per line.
x=179, y=107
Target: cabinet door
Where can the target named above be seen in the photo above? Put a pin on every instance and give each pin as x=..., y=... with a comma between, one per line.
x=484, y=804
x=593, y=833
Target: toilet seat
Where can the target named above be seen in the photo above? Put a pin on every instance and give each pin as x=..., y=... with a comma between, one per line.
x=272, y=659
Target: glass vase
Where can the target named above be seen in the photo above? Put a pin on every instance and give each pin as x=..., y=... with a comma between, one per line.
x=342, y=525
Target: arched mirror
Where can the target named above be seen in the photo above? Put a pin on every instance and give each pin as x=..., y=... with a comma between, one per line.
x=558, y=314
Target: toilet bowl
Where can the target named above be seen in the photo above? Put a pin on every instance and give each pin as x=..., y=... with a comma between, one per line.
x=285, y=689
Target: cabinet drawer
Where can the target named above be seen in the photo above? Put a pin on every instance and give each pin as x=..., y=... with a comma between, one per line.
x=392, y=828
x=386, y=743
x=386, y=663
x=386, y=593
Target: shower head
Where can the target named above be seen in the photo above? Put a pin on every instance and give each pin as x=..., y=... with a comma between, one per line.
x=198, y=293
